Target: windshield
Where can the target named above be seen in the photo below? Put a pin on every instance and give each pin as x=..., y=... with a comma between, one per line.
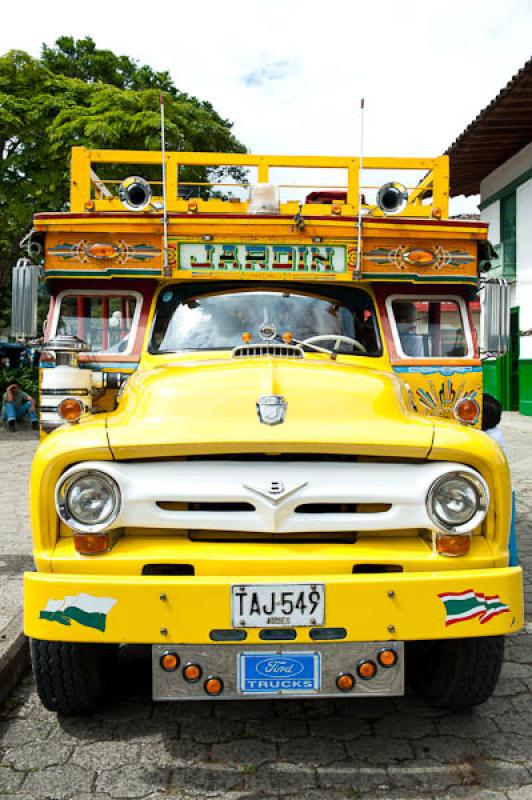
x=187, y=319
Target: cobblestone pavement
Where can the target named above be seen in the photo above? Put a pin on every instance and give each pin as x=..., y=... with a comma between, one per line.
x=291, y=749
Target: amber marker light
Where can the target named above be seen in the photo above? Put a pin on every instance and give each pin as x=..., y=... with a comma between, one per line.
x=70, y=409
x=169, y=662
x=424, y=258
x=387, y=658
x=88, y=544
x=436, y=212
x=345, y=682
x=367, y=669
x=102, y=250
x=247, y=337
x=192, y=206
x=192, y=673
x=467, y=410
x=89, y=205
x=213, y=685
x=287, y=337
x=448, y=544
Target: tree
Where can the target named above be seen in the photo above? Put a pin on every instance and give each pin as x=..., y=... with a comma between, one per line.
x=76, y=94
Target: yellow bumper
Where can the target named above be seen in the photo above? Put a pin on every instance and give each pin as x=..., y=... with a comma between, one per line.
x=155, y=610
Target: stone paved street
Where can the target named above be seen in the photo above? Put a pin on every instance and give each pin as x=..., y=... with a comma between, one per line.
x=313, y=750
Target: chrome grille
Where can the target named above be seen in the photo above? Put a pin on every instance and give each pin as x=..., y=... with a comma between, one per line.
x=268, y=349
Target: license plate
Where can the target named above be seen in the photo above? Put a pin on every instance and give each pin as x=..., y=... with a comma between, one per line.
x=285, y=605
x=279, y=673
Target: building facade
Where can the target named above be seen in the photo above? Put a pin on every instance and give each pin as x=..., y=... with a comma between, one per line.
x=493, y=158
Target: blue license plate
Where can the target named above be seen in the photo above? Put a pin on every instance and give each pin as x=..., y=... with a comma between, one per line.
x=294, y=672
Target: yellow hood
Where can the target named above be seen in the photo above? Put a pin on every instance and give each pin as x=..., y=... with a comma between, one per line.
x=210, y=407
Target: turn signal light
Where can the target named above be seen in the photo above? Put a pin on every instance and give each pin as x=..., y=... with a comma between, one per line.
x=169, y=662
x=387, y=658
x=192, y=206
x=247, y=337
x=287, y=337
x=90, y=544
x=70, y=409
x=192, y=673
x=213, y=685
x=467, y=410
x=367, y=670
x=345, y=682
x=452, y=544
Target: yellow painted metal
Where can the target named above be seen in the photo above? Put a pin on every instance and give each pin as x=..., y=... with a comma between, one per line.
x=85, y=162
x=193, y=606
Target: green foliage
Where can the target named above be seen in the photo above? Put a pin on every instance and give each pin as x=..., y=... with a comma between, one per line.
x=26, y=377
x=76, y=94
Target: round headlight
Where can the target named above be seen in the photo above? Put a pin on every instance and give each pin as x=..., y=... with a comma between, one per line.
x=88, y=501
x=457, y=502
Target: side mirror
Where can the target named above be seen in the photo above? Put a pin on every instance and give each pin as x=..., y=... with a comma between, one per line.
x=24, y=300
x=494, y=318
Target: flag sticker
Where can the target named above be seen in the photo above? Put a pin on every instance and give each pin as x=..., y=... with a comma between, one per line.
x=461, y=606
x=82, y=608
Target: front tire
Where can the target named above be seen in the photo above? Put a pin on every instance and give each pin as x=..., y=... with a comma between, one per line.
x=71, y=678
x=455, y=673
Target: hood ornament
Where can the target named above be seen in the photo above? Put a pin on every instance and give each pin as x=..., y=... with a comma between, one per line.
x=271, y=409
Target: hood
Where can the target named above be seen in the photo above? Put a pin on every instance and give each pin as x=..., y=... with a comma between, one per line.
x=210, y=407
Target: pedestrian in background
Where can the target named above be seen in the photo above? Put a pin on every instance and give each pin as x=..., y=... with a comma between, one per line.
x=15, y=405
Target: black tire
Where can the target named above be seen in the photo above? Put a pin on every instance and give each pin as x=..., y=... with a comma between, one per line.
x=455, y=673
x=72, y=678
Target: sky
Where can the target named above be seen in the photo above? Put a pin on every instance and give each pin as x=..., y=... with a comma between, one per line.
x=290, y=74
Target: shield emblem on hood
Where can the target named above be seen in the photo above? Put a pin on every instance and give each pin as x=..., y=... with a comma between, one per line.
x=271, y=409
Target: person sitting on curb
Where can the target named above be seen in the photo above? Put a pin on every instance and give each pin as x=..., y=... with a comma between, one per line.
x=15, y=405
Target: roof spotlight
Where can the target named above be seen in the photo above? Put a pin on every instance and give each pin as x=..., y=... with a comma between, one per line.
x=392, y=198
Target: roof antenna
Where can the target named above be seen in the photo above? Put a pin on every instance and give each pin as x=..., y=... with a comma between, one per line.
x=166, y=269
x=360, y=195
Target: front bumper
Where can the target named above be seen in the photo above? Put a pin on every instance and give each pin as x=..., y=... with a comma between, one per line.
x=161, y=610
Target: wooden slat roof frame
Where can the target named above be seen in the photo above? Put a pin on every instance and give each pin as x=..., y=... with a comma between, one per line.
x=499, y=131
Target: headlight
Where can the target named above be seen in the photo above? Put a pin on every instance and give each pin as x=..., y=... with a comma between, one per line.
x=457, y=502
x=88, y=501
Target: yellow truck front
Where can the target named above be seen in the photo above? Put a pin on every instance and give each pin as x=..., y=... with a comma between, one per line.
x=274, y=476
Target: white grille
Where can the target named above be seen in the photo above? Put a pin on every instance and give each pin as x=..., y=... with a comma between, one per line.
x=257, y=496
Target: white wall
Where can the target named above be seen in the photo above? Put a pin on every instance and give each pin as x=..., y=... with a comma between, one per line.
x=524, y=265
x=492, y=214
x=507, y=172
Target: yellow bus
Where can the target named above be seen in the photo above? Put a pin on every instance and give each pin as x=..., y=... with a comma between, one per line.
x=262, y=455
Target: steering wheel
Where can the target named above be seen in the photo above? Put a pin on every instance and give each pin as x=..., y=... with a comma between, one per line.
x=338, y=339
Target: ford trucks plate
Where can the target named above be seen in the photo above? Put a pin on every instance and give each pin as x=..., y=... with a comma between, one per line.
x=284, y=605
x=279, y=673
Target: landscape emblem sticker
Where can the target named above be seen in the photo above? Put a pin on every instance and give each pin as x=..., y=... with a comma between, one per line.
x=81, y=608
x=461, y=606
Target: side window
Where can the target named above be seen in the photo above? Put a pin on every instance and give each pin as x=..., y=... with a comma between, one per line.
x=105, y=322
x=429, y=328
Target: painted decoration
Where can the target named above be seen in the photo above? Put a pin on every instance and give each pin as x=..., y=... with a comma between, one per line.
x=123, y=251
x=434, y=390
x=404, y=257
x=440, y=401
x=462, y=606
x=82, y=608
x=301, y=258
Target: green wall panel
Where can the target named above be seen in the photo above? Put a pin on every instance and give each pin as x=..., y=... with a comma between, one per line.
x=525, y=386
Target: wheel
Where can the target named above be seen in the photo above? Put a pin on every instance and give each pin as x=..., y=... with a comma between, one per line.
x=455, y=673
x=72, y=678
